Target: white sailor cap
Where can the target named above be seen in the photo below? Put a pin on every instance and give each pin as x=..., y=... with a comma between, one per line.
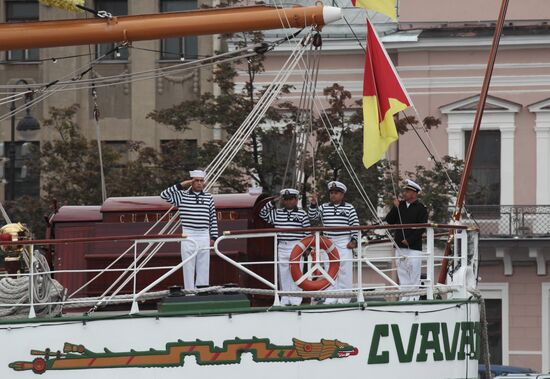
x=289, y=192
x=411, y=185
x=197, y=174
x=337, y=186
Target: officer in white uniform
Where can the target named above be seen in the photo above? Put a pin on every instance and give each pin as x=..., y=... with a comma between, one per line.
x=409, y=241
x=338, y=213
x=288, y=216
x=198, y=220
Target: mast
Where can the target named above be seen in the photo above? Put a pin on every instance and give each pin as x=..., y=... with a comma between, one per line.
x=157, y=26
x=459, y=204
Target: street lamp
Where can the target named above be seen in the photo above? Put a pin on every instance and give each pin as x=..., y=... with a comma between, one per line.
x=27, y=123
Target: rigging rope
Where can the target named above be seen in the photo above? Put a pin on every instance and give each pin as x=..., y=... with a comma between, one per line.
x=99, y=150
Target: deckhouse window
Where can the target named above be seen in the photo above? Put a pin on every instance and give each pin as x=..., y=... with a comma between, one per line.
x=484, y=187
x=22, y=11
x=177, y=48
x=116, y=8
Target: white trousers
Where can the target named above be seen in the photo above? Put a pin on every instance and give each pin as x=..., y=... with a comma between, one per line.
x=200, y=264
x=344, y=281
x=286, y=283
x=409, y=266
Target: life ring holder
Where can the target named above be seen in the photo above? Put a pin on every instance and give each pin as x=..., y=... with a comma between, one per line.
x=300, y=278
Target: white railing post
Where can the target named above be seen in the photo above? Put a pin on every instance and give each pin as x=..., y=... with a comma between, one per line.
x=318, y=249
x=135, y=308
x=360, y=296
x=276, y=300
x=475, y=260
x=464, y=249
x=32, y=313
x=456, y=250
x=430, y=264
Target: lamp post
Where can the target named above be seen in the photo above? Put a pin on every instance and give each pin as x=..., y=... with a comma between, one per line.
x=27, y=123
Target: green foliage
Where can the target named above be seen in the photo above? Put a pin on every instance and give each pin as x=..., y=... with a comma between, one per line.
x=28, y=210
x=70, y=165
x=346, y=120
x=70, y=171
x=437, y=191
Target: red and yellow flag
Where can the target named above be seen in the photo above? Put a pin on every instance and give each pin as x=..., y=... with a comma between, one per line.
x=383, y=96
x=387, y=7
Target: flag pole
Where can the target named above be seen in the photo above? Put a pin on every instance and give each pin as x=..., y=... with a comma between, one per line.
x=459, y=204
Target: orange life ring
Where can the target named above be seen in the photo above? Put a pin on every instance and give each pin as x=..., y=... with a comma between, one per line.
x=297, y=252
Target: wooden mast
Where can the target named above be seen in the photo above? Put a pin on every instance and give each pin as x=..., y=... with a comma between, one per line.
x=459, y=204
x=157, y=26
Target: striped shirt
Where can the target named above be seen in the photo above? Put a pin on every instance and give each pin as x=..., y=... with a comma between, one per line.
x=285, y=218
x=343, y=214
x=197, y=211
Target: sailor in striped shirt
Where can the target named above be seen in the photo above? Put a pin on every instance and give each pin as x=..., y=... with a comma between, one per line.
x=338, y=213
x=198, y=220
x=289, y=216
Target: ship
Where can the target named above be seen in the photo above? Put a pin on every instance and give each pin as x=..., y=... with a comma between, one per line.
x=104, y=308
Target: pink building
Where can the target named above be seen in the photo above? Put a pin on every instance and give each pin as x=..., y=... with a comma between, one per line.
x=441, y=49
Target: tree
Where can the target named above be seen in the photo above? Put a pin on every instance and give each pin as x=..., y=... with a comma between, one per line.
x=346, y=121
x=70, y=171
x=261, y=160
x=69, y=165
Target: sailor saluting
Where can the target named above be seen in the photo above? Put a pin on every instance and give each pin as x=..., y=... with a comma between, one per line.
x=288, y=216
x=338, y=213
x=198, y=221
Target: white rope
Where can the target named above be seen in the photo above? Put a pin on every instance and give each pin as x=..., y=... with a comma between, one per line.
x=15, y=291
x=240, y=136
x=230, y=150
x=5, y=214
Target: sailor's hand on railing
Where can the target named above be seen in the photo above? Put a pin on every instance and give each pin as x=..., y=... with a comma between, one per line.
x=404, y=242
x=352, y=244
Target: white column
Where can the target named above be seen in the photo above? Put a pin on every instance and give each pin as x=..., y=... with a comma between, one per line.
x=507, y=165
x=456, y=143
x=542, y=130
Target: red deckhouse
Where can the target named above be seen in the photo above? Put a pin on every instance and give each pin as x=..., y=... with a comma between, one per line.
x=121, y=216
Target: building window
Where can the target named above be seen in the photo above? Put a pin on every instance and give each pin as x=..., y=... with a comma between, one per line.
x=484, y=187
x=179, y=47
x=116, y=8
x=27, y=175
x=22, y=11
x=493, y=311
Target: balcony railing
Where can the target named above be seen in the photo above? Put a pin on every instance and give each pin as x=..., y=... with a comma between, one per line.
x=511, y=221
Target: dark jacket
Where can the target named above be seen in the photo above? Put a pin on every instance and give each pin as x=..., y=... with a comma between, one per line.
x=416, y=213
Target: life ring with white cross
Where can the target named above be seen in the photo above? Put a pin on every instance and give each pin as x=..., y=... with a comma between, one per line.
x=307, y=244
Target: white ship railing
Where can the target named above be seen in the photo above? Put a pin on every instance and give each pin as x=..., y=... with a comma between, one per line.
x=429, y=283
x=126, y=274
x=464, y=253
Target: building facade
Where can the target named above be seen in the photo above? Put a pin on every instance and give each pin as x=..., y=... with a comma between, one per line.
x=123, y=107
